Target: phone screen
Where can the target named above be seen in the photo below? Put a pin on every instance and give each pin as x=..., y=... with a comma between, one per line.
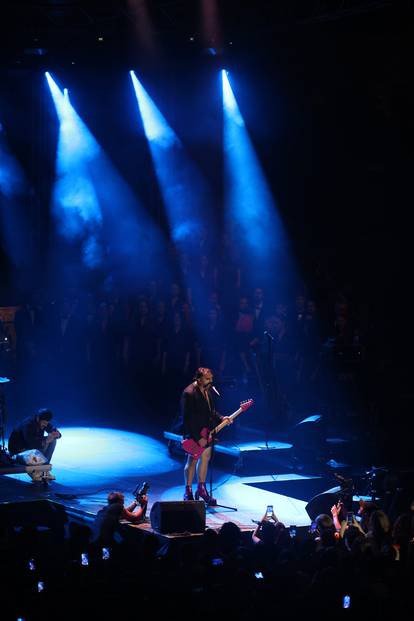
x=350, y=518
x=292, y=531
x=346, y=601
x=85, y=560
x=269, y=510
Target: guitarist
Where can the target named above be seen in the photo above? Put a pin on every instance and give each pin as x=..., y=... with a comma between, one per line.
x=199, y=413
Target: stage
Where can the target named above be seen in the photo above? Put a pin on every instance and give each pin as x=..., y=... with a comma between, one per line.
x=90, y=462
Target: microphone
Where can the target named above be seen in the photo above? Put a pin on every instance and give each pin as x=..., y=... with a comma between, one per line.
x=215, y=390
x=266, y=333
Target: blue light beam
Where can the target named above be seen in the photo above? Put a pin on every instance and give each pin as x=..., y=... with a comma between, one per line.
x=249, y=202
x=12, y=181
x=14, y=193
x=182, y=187
x=92, y=202
x=75, y=202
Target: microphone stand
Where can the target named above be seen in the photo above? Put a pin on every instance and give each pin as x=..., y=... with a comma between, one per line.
x=3, y=417
x=271, y=385
x=211, y=477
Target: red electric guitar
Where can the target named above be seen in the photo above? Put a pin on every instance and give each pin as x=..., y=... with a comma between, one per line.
x=193, y=448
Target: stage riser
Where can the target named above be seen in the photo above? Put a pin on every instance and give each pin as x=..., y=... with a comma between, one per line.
x=246, y=462
x=256, y=462
x=34, y=513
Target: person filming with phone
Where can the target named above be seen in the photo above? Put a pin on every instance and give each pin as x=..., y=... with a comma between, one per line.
x=344, y=521
x=269, y=537
x=267, y=529
x=324, y=531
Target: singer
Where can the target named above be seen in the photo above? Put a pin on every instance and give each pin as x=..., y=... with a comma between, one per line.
x=199, y=412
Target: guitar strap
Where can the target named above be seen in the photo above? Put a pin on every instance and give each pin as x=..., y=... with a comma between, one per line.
x=211, y=408
x=208, y=399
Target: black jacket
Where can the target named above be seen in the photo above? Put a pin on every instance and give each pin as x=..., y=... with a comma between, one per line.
x=196, y=412
x=27, y=435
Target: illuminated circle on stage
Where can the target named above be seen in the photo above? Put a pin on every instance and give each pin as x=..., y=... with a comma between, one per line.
x=86, y=453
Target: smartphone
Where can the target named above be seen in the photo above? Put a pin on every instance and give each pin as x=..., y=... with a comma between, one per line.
x=84, y=559
x=346, y=602
x=269, y=511
x=292, y=531
x=217, y=561
x=350, y=518
x=40, y=586
x=32, y=565
x=258, y=574
x=105, y=554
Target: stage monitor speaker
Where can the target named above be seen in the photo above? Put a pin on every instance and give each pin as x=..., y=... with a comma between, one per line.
x=307, y=436
x=309, y=428
x=185, y=516
x=322, y=503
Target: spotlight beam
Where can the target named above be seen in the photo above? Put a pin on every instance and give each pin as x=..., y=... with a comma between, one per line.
x=92, y=204
x=181, y=185
x=249, y=202
x=251, y=212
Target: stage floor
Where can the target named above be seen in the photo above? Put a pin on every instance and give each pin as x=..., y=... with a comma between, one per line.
x=90, y=462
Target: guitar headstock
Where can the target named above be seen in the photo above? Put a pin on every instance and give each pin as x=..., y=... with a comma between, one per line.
x=245, y=405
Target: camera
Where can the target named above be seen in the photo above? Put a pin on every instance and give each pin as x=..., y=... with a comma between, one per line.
x=350, y=518
x=140, y=491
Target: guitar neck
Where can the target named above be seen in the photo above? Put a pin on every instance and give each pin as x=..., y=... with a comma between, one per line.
x=224, y=424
